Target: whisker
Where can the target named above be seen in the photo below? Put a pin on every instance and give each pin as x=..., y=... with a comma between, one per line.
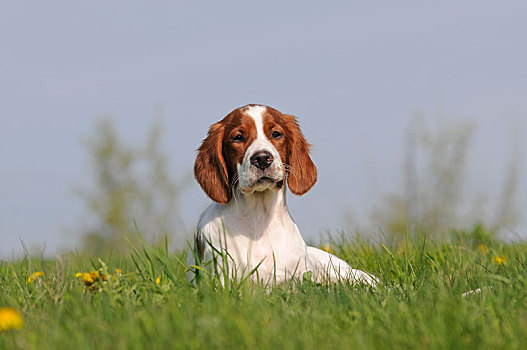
x=235, y=180
x=290, y=170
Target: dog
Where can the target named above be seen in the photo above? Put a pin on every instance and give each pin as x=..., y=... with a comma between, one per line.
x=244, y=165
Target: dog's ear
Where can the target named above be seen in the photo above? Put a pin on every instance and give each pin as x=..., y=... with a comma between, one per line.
x=302, y=173
x=210, y=169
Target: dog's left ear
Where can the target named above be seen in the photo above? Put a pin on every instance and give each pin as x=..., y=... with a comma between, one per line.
x=302, y=172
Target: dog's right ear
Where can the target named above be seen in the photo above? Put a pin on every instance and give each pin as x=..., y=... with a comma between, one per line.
x=210, y=169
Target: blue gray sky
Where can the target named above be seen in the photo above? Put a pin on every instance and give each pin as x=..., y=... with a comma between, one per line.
x=355, y=73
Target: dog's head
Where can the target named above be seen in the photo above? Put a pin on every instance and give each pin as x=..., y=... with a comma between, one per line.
x=254, y=148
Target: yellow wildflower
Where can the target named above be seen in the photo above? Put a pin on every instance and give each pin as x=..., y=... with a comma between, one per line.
x=118, y=271
x=95, y=275
x=87, y=277
x=483, y=249
x=34, y=277
x=500, y=260
x=158, y=279
x=10, y=319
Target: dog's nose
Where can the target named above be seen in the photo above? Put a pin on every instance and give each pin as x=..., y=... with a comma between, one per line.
x=262, y=159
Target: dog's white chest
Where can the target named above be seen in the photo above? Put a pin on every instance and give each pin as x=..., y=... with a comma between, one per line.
x=271, y=243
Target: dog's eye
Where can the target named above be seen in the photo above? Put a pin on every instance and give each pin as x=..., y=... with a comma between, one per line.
x=238, y=138
x=276, y=135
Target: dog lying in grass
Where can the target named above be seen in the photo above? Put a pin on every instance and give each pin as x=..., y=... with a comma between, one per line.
x=244, y=165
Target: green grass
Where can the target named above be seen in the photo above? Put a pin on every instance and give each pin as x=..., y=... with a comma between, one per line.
x=419, y=304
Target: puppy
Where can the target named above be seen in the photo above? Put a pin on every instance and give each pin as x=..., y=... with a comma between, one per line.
x=244, y=165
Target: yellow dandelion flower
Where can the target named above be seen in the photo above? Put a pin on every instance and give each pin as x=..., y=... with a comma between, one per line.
x=158, y=279
x=34, y=277
x=92, y=277
x=500, y=260
x=118, y=271
x=87, y=277
x=10, y=319
x=483, y=249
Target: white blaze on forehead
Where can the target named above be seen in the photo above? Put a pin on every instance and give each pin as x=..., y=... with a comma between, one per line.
x=261, y=143
x=256, y=113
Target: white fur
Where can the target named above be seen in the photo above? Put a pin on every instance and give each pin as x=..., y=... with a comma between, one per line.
x=256, y=230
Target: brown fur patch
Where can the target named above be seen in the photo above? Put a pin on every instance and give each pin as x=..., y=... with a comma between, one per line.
x=216, y=163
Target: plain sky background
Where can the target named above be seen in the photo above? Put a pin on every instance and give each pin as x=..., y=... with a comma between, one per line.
x=355, y=73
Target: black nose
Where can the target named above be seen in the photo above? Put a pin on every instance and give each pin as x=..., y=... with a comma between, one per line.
x=261, y=159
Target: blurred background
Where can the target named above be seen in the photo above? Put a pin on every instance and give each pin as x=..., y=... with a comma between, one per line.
x=416, y=111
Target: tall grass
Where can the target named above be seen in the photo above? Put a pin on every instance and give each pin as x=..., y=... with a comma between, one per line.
x=148, y=302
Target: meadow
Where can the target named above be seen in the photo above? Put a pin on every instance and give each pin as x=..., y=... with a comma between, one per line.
x=143, y=301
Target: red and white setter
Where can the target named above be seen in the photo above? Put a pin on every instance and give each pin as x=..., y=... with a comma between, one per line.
x=243, y=166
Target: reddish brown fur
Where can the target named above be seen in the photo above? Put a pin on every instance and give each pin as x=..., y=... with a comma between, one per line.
x=218, y=155
x=237, y=122
x=303, y=170
x=274, y=121
x=215, y=165
x=210, y=169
